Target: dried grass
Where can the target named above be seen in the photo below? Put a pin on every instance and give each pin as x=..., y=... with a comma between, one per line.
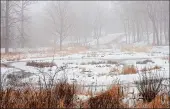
x=131, y=48
x=160, y=101
x=40, y=64
x=109, y=99
x=156, y=67
x=129, y=70
x=59, y=97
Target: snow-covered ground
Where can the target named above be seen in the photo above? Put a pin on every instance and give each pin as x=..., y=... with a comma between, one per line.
x=80, y=70
x=93, y=68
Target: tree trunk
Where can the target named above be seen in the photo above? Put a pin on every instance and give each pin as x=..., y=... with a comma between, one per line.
x=137, y=31
x=133, y=31
x=166, y=38
x=128, y=31
x=160, y=32
x=146, y=22
x=141, y=32
x=156, y=33
x=153, y=37
x=60, y=44
x=125, y=31
x=7, y=27
x=22, y=26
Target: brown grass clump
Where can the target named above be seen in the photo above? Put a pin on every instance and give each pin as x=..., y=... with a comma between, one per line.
x=160, y=101
x=109, y=99
x=3, y=65
x=132, y=48
x=129, y=70
x=40, y=64
x=12, y=56
x=149, y=86
x=59, y=97
x=114, y=70
x=156, y=67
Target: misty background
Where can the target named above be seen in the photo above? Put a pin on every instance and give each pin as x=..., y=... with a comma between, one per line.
x=46, y=23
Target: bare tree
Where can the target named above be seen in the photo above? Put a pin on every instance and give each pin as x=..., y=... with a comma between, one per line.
x=59, y=14
x=22, y=6
x=10, y=20
x=149, y=85
x=98, y=23
x=152, y=16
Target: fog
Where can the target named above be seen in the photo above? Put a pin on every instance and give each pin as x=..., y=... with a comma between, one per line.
x=45, y=23
x=84, y=54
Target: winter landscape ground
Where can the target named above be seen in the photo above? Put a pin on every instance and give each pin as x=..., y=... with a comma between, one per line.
x=93, y=71
x=84, y=54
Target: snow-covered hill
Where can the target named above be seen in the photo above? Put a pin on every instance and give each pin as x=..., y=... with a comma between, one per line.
x=118, y=39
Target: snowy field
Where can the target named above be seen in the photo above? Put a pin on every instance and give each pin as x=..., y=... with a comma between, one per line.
x=91, y=70
x=92, y=66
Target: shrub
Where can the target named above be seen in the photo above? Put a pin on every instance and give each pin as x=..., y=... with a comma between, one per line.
x=111, y=62
x=4, y=65
x=149, y=86
x=58, y=97
x=65, y=92
x=144, y=62
x=109, y=99
x=160, y=101
x=156, y=67
x=40, y=64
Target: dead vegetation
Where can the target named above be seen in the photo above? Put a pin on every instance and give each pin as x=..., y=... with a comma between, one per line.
x=13, y=56
x=4, y=65
x=131, y=48
x=144, y=62
x=61, y=96
x=109, y=99
x=40, y=64
x=160, y=101
x=156, y=67
x=129, y=69
x=99, y=62
x=40, y=53
x=149, y=86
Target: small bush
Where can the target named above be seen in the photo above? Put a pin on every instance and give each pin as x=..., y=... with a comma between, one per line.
x=111, y=62
x=109, y=99
x=59, y=97
x=149, y=86
x=160, y=101
x=129, y=70
x=144, y=62
x=40, y=64
x=4, y=65
x=156, y=67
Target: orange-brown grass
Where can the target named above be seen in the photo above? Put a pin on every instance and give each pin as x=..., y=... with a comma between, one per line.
x=40, y=64
x=132, y=48
x=12, y=56
x=156, y=67
x=58, y=97
x=129, y=70
x=109, y=99
x=158, y=102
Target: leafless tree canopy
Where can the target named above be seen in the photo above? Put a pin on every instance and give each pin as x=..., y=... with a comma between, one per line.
x=60, y=22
